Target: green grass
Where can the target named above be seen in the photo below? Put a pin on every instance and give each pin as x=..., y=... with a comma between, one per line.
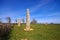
x=40, y=32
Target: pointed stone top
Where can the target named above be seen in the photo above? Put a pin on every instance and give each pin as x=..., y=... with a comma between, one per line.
x=27, y=9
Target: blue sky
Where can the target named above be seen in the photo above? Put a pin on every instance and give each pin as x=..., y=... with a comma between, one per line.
x=41, y=10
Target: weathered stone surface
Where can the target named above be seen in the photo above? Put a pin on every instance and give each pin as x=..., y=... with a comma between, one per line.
x=28, y=20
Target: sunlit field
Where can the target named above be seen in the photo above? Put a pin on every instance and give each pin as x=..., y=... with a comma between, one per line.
x=40, y=32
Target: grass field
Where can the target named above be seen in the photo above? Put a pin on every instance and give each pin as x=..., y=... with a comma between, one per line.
x=40, y=32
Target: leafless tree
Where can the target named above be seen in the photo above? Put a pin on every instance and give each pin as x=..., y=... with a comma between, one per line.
x=34, y=21
x=8, y=19
x=23, y=20
x=0, y=20
x=16, y=21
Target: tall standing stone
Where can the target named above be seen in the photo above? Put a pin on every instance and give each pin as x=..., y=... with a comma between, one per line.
x=28, y=20
x=18, y=22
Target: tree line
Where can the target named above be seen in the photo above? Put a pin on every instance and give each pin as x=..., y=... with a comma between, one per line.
x=23, y=21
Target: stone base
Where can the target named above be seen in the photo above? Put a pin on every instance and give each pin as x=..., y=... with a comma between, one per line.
x=29, y=29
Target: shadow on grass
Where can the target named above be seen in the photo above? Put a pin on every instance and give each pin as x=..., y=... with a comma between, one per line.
x=4, y=33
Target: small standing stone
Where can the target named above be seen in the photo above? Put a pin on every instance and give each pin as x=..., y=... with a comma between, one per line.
x=18, y=22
